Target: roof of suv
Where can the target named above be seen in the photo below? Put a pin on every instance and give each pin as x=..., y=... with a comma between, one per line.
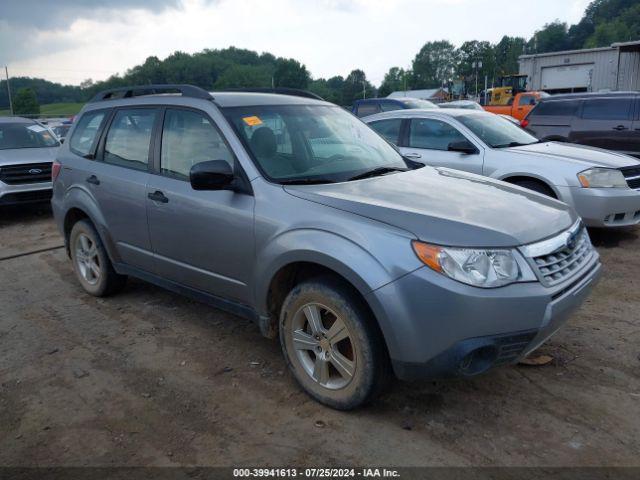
x=245, y=99
x=582, y=96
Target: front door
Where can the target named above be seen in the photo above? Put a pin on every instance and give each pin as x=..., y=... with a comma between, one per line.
x=201, y=239
x=428, y=140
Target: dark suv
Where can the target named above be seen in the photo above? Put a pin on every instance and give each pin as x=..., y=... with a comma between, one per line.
x=605, y=120
x=371, y=106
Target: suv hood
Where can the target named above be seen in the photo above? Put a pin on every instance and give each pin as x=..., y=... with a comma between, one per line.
x=448, y=207
x=14, y=156
x=578, y=154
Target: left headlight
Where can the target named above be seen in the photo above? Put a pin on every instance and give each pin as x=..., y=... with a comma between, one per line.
x=602, y=178
x=485, y=268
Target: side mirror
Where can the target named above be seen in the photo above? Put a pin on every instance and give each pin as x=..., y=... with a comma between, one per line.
x=463, y=146
x=211, y=175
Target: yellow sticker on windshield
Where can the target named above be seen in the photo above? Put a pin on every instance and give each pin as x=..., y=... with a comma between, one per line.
x=252, y=121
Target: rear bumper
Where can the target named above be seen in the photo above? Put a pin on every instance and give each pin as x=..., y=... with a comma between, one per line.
x=437, y=328
x=604, y=207
x=25, y=193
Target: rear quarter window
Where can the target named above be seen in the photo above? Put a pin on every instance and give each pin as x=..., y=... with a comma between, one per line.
x=607, y=109
x=85, y=134
x=559, y=108
x=365, y=109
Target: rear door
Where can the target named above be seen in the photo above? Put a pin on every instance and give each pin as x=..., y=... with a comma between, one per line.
x=118, y=180
x=202, y=239
x=389, y=128
x=426, y=140
x=606, y=123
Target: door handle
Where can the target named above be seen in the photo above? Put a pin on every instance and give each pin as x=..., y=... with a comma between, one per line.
x=93, y=180
x=158, y=196
x=620, y=128
x=413, y=155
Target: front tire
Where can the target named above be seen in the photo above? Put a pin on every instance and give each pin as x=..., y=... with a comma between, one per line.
x=91, y=262
x=330, y=344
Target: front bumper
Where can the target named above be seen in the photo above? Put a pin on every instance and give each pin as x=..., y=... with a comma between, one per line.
x=25, y=193
x=604, y=207
x=436, y=327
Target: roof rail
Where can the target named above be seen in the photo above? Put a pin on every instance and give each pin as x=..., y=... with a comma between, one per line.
x=295, y=92
x=140, y=90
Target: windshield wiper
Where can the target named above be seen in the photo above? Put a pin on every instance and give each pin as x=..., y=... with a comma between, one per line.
x=306, y=181
x=514, y=144
x=376, y=172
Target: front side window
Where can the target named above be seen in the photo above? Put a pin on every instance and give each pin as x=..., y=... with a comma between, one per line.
x=189, y=138
x=129, y=137
x=389, y=129
x=607, y=109
x=496, y=131
x=25, y=135
x=432, y=134
x=84, y=135
x=527, y=100
x=310, y=143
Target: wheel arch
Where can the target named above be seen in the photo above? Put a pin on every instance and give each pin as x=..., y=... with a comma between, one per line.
x=530, y=177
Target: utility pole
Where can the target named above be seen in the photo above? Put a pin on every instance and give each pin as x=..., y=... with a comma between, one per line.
x=6, y=72
x=364, y=90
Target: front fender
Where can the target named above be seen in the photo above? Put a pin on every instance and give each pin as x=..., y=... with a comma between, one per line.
x=338, y=253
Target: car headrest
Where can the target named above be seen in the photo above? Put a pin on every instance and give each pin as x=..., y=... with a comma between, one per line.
x=263, y=142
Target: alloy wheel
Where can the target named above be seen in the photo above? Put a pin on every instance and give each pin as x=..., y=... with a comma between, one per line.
x=87, y=259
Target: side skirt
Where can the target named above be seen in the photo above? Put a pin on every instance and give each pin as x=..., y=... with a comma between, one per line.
x=227, y=305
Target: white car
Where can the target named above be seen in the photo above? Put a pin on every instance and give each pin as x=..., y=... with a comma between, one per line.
x=603, y=186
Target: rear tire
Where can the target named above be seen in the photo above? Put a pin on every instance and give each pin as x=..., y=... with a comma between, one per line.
x=91, y=262
x=331, y=345
x=536, y=187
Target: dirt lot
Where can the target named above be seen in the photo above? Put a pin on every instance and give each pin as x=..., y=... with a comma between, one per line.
x=150, y=378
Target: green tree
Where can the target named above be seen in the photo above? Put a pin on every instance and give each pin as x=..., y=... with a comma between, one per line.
x=395, y=79
x=434, y=65
x=355, y=87
x=467, y=55
x=240, y=76
x=553, y=37
x=290, y=73
x=25, y=102
x=506, y=52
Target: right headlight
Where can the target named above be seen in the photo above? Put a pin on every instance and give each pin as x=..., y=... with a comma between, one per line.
x=602, y=178
x=484, y=268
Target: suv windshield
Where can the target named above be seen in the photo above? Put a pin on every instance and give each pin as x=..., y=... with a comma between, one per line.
x=312, y=143
x=25, y=135
x=496, y=131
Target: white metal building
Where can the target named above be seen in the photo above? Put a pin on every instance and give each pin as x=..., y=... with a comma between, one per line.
x=596, y=69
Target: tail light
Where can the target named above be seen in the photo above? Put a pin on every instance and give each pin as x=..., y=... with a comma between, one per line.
x=55, y=170
x=524, y=123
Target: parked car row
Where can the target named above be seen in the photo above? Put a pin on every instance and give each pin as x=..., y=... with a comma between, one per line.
x=292, y=212
x=459, y=248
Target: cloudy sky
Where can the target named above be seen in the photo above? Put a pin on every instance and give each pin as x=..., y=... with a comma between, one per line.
x=70, y=40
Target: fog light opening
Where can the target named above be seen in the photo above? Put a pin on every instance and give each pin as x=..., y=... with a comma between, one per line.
x=479, y=360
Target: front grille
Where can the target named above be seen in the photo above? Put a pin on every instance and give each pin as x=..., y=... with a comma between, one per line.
x=26, y=173
x=562, y=263
x=632, y=175
x=511, y=347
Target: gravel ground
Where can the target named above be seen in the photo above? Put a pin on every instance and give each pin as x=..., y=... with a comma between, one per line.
x=150, y=378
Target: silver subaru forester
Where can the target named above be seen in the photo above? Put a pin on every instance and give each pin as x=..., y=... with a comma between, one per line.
x=290, y=211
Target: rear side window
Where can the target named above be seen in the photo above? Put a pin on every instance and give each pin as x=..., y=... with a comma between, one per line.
x=129, y=137
x=433, y=134
x=365, y=109
x=189, y=138
x=607, y=109
x=390, y=106
x=84, y=136
x=389, y=129
x=561, y=108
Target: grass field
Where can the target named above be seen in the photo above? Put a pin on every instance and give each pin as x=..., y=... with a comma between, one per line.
x=62, y=109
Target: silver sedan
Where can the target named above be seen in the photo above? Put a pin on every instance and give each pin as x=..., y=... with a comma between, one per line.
x=603, y=186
